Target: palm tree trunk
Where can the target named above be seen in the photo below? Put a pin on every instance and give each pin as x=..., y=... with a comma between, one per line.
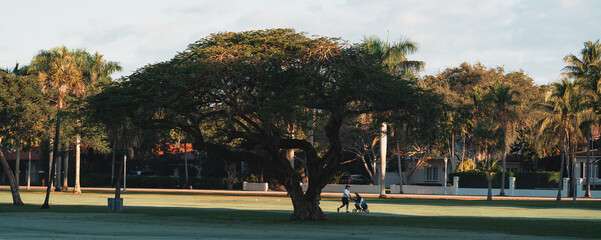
x=398, y=150
x=574, y=188
x=29, y=171
x=118, y=182
x=186, y=161
x=17, y=165
x=502, y=193
x=14, y=190
x=51, y=171
x=587, y=194
x=489, y=177
x=113, y=163
x=560, y=187
x=59, y=170
x=77, y=188
x=66, y=167
x=383, y=150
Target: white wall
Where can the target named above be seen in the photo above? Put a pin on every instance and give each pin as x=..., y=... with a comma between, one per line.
x=354, y=188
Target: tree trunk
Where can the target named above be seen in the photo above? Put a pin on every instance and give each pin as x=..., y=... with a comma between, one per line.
x=66, y=167
x=51, y=171
x=489, y=178
x=186, y=161
x=14, y=190
x=118, y=182
x=29, y=171
x=502, y=193
x=563, y=157
x=574, y=186
x=77, y=187
x=588, y=169
x=58, y=170
x=290, y=157
x=17, y=165
x=113, y=163
x=398, y=149
x=231, y=175
x=50, y=158
x=306, y=206
x=383, y=151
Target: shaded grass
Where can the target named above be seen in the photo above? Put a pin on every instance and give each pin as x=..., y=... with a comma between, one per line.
x=535, y=227
x=565, y=203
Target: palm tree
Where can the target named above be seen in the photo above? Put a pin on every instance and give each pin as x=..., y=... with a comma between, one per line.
x=503, y=108
x=96, y=71
x=59, y=69
x=394, y=58
x=567, y=108
x=587, y=69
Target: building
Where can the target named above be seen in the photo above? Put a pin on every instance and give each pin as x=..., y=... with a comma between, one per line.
x=32, y=157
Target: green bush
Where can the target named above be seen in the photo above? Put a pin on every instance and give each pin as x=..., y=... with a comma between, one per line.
x=213, y=183
x=143, y=181
x=531, y=180
x=95, y=180
x=524, y=180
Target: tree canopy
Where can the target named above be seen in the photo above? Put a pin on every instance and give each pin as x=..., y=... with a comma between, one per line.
x=239, y=94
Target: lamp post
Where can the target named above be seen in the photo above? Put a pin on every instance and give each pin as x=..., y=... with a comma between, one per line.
x=445, y=176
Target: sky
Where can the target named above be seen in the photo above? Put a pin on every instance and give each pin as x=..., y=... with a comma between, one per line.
x=528, y=35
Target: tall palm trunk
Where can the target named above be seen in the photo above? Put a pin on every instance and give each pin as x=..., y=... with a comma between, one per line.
x=14, y=190
x=560, y=187
x=489, y=177
x=574, y=187
x=77, y=187
x=51, y=170
x=186, y=161
x=66, y=167
x=17, y=165
x=383, y=150
x=588, y=169
x=113, y=163
x=58, y=170
x=502, y=193
x=29, y=171
x=398, y=150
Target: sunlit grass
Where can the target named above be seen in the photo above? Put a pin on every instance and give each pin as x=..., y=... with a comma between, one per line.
x=540, y=218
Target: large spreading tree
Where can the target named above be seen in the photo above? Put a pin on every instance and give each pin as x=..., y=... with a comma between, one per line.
x=236, y=94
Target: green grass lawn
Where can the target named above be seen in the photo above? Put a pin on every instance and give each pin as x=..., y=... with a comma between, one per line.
x=185, y=216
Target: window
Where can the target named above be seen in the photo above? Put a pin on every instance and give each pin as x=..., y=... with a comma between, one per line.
x=432, y=174
x=595, y=168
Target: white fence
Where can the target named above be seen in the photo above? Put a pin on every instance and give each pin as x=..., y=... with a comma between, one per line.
x=456, y=190
x=354, y=188
x=440, y=190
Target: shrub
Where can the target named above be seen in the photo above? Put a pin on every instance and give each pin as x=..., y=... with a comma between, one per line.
x=95, y=180
x=213, y=183
x=143, y=181
x=524, y=180
x=531, y=180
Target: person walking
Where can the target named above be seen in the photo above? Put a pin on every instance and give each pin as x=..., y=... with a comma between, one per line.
x=346, y=194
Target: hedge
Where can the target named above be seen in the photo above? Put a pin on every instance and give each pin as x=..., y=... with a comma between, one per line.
x=531, y=180
x=524, y=180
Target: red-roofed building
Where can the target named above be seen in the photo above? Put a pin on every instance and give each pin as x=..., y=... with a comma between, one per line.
x=37, y=169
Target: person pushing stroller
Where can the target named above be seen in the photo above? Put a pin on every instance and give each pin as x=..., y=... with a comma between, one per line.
x=346, y=195
x=360, y=204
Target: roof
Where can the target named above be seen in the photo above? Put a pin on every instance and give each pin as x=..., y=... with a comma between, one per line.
x=595, y=152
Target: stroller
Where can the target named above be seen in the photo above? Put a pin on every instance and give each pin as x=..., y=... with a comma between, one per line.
x=360, y=204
